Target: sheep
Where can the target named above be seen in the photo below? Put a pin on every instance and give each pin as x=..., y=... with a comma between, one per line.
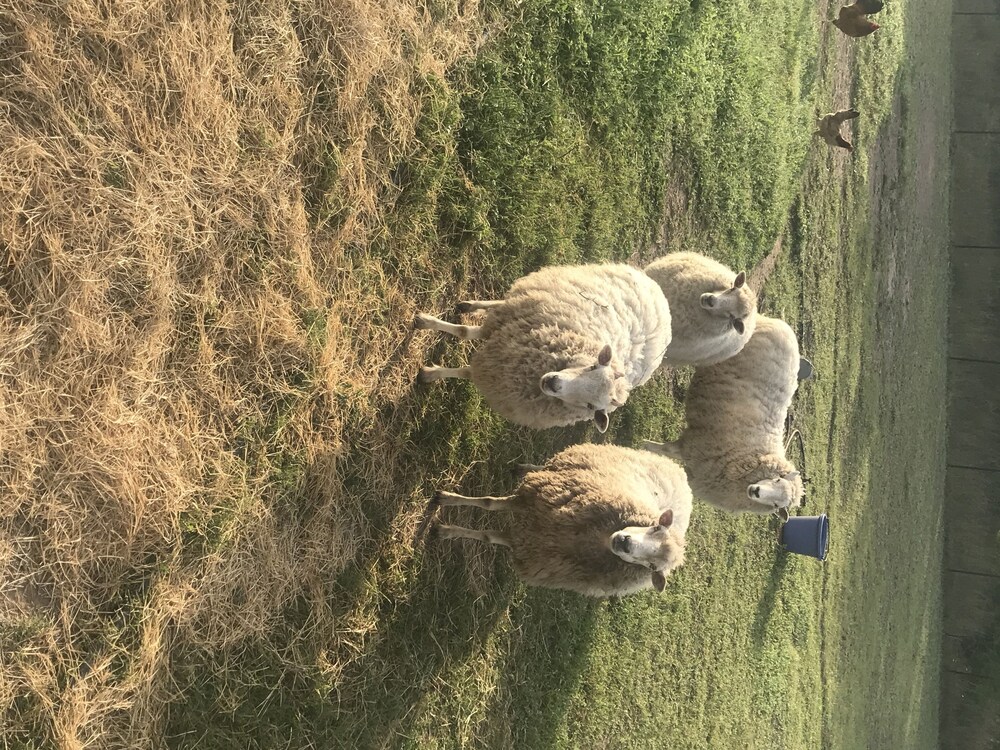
x=713, y=311
x=566, y=344
x=732, y=446
x=601, y=520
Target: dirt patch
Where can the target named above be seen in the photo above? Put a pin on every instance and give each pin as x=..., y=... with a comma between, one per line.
x=886, y=185
x=757, y=278
x=679, y=229
x=839, y=63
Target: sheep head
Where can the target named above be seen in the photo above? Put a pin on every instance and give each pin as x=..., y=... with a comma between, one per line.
x=659, y=548
x=598, y=388
x=738, y=303
x=781, y=493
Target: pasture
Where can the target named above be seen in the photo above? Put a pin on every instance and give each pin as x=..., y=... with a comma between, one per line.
x=217, y=222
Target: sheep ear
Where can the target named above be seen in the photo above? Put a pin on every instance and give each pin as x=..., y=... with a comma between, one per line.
x=601, y=420
x=738, y=326
x=604, y=357
x=667, y=517
x=791, y=476
x=659, y=580
x=781, y=513
x=741, y=278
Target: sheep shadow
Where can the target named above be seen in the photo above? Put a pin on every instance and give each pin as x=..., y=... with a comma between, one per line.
x=768, y=600
x=431, y=612
x=446, y=621
x=547, y=652
x=439, y=623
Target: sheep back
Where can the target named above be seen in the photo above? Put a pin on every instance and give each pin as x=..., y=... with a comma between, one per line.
x=566, y=513
x=698, y=337
x=735, y=413
x=611, y=303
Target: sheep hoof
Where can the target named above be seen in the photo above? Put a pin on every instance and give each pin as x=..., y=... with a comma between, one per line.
x=463, y=307
x=422, y=321
x=425, y=375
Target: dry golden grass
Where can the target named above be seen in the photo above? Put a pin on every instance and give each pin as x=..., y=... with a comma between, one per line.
x=181, y=188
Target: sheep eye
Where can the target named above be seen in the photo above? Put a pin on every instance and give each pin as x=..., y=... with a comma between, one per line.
x=591, y=407
x=593, y=367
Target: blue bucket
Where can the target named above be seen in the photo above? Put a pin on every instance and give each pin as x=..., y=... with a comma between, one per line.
x=807, y=535
x=805, y=369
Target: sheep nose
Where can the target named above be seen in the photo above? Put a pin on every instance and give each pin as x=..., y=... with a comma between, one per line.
x=551, y=383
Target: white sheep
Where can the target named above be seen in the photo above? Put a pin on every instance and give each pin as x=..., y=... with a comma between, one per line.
x=600, y=520
x=713, y=311
x=566, y=344
x=732, y=447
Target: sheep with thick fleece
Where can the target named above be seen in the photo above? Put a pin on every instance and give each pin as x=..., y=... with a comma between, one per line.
x=733, y=446
x=713, y=311
x=566, y=344
x=600, y=520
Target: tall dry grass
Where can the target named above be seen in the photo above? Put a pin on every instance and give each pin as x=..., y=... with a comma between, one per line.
x=187, y=328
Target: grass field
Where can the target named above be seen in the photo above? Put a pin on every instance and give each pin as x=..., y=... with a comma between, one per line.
x=217, y=222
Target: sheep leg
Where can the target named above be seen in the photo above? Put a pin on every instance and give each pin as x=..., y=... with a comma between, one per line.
x=473, y=305
x=671, y=448
x=486, y=502
x=488, y=536
x=433, y=372
x=429, y=322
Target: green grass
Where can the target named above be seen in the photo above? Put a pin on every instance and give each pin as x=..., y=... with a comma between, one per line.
x=575, y=119
x=555, y=145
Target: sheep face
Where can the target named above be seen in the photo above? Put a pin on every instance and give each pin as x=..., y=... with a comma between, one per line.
x=737, y=303
x=598, y=389
x=780, y=493
x=655, y=547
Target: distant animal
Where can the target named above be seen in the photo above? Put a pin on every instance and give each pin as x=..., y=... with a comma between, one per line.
x=853, y=19
x=733, y=448
x=713, y=310
x=566, y=344
x=601, y=520
x=828, y=127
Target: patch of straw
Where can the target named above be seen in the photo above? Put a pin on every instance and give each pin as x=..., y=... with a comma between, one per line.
x=179, y=321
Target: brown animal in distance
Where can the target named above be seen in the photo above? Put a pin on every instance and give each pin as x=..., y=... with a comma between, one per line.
x=853, y=19
x=828, y=127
